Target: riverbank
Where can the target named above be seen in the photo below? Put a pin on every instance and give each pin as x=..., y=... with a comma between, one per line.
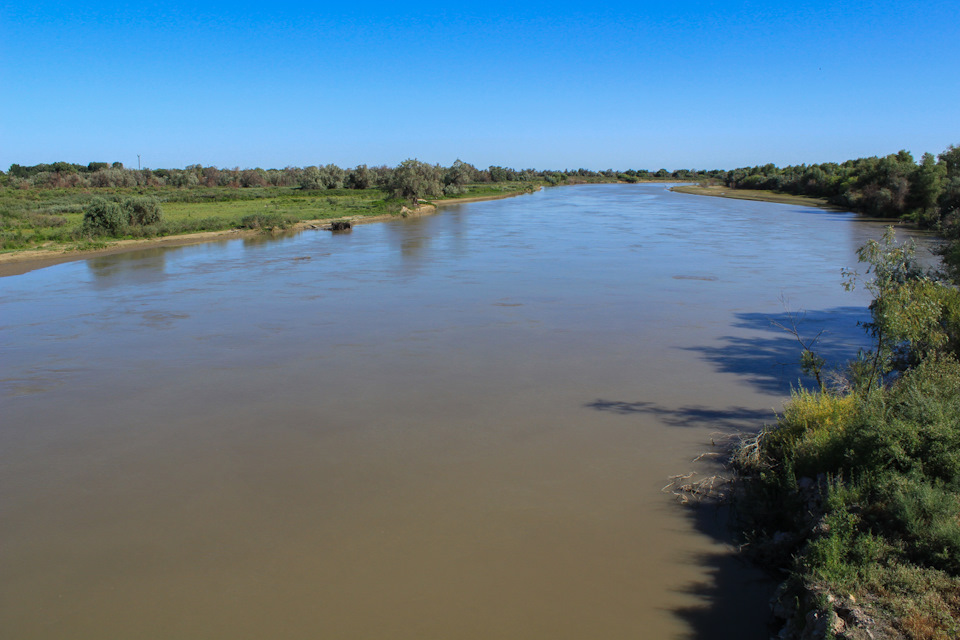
x=761, y=195
x=22, y=261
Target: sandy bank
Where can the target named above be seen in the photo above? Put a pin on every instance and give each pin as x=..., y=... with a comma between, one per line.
x=760, y=195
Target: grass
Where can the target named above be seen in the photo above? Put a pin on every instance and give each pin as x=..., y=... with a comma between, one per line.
x=53, y=218
x=295, y=206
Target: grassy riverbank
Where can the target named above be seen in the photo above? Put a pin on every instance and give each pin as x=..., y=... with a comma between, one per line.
x=855, y=491
x=47, y=225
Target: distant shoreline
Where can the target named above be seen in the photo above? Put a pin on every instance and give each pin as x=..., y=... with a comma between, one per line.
x=20, y=262
x=760, y=195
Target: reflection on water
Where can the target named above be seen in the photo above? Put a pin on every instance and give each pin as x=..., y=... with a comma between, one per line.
x=450, y=426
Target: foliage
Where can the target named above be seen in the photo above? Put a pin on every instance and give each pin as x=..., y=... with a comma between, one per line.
x=114, y=218
x=359, y=178
x=459, y=174
x=105, y=217
x=856, y=490
x=892, y=186
x=142, y=210
x=413, y=180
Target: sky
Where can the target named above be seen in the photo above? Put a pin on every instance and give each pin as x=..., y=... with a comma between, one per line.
x=558, y=85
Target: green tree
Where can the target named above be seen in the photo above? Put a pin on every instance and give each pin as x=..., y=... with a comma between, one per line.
x=502, y=174
x=907, y=311
x=358, y=178
x=412, y=180
x=925, y=190
x=310, y=178
x=332, y=176
x=459, y=174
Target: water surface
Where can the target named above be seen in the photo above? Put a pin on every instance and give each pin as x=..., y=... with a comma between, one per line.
x=455, y=426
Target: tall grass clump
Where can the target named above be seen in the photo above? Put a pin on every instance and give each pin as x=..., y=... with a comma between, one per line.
x=267, y=221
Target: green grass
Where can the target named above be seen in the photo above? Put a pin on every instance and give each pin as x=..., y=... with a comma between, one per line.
x=53, y=218
x=491, y=190
x=296, y=206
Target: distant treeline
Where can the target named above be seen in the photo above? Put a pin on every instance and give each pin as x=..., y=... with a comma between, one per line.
x=60, y=175
x=895, y=186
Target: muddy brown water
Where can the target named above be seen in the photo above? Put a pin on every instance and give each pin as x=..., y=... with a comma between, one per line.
x=449, y=427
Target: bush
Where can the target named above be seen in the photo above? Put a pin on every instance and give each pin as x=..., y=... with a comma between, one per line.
x=809, y=434
x=104, y=217
x=111, y=218
x=143, y=211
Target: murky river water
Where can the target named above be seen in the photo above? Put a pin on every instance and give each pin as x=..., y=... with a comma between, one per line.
x=456, y=426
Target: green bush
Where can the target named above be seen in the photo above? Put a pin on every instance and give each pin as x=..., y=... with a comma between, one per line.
x=143, y=211
x=113, y=218
x=104, y=217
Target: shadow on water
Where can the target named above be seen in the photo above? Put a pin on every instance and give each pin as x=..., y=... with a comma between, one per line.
x=731, y=419
x=770, y=362
x=736, y=594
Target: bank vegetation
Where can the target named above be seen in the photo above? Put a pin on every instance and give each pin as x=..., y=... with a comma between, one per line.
x=62, y=206
x=854, y=492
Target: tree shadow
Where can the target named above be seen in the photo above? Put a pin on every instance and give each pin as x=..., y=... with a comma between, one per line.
x=730, y=419
x=736, y=594
x=770, y=362
x=732, y=600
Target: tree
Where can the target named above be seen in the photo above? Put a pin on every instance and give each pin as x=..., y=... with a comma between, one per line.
x=412, y=180
x=459, y=174
x=907, y=311
x=141, y=211
x=310, y=178
x=332, y=176
x=925, y=189
x=358, y=178
x=502, y=174
x=951, y=161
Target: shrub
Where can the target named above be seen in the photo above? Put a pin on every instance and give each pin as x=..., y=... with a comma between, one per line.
x=143, y=211
x=104, y=217
x=809, y=434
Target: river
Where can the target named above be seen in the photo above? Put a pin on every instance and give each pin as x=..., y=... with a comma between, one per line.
x=454, y=426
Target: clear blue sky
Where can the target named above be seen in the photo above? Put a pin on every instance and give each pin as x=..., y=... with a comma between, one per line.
x=520, y=84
